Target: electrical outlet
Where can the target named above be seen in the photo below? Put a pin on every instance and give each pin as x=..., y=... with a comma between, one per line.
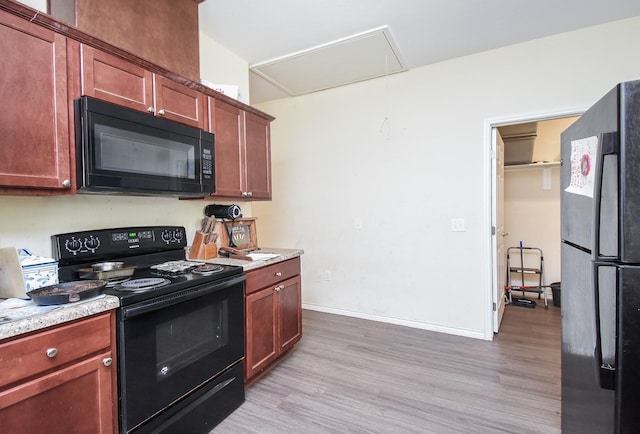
x=327, y=275
x=457, y=225
x=357, y=223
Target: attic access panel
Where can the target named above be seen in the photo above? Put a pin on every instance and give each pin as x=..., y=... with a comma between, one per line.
x=355, y=58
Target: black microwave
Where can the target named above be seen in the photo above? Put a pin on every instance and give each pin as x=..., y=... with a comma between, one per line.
x=124, y=151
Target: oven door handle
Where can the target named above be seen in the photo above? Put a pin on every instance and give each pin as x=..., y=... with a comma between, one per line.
x=180, y=296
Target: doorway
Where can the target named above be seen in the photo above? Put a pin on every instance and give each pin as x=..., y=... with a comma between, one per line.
x=524, y=197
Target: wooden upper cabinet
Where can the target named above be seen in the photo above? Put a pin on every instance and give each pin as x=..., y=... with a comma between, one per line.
x=34, y=126
x=258, y=156
x=116, y=80
x=121, y=82
x=242, y=150
x=179, y=103
x=227, y=125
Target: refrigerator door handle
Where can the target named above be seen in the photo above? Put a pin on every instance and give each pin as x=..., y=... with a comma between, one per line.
x=605, y=370
x=609, y=145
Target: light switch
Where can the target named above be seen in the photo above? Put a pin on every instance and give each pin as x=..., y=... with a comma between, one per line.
x=546, y=178
x=457, y=225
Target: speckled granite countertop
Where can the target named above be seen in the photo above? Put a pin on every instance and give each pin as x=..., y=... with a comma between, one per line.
x=63, y=313
x=284, y=255
x=72, y=311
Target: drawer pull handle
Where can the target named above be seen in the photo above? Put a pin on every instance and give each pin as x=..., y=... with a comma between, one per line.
x=107, y=361
x=277, y=273
x=52, y=352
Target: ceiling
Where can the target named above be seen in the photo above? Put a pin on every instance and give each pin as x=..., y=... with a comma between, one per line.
x=295, y=47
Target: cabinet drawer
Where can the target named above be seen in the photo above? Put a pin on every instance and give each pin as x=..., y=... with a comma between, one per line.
x=271, y=274
x=26, y=357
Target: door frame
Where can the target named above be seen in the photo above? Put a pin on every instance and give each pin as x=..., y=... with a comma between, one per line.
x=490, y=197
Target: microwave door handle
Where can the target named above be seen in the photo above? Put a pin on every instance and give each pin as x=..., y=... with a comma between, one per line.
x=605, y=370
x=609, y=145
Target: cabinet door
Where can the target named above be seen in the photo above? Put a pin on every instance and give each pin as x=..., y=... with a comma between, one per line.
x=226, y=124
x=289, y=313
x=116, y=80
x=76, y=399
x=258, y=157
x=34, y=138
x=178, y=102
x=261, y=332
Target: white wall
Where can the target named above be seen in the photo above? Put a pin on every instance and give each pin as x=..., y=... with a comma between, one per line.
x=406, y=154
x=29, y=222
x=220, y=66
x=40, y=5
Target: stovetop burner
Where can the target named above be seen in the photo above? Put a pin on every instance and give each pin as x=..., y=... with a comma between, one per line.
x=115, y=281
x=175, y=267
x=142, y=284
x=207, y=269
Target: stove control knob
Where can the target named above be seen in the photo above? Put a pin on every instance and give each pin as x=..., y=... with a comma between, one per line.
x=92, y=243
x=177, y=235
x=166, y=236
x=73, y=245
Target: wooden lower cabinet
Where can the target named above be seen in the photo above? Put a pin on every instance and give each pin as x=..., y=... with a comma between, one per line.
x=61, y=380
x=273, y=315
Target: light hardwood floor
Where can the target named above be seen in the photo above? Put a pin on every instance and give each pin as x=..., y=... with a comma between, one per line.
x=350, y=375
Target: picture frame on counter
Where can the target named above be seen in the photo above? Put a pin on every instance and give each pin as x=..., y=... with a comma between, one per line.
x=243, y=232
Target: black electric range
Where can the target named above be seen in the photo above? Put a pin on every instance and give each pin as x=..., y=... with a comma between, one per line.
x=180, y=337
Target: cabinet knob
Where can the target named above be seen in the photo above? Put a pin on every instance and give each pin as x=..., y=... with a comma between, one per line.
x=277, y=273
x=52, y=352
x=66, y=183
x=107, y=361
x=151, y=110
x=161, y=112
x=279, y=288
x=249, y=193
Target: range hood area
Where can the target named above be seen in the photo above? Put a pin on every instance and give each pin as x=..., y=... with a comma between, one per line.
x=519, y=141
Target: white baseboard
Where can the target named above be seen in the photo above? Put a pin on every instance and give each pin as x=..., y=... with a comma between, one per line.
x=476, y=334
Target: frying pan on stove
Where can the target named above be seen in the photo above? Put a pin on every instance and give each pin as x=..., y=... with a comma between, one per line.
x=67, y=292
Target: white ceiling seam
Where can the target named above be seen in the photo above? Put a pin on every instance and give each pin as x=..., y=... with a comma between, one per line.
x=355, y=58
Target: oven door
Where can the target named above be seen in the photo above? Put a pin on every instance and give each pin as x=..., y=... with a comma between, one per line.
x=172, y=345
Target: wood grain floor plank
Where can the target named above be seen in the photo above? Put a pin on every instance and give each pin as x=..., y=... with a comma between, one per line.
x=349, y=375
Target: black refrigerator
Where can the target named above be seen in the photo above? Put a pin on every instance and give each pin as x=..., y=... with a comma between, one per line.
x=600, y=283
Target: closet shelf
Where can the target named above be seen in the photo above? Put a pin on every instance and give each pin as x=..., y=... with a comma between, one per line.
x=531, y=166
